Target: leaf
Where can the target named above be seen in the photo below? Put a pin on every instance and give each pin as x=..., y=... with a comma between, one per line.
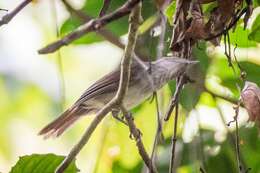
x=255, y=33
x=41, y=163
x=240, y=38
x=169, y=11
x=118, y=167
x=219, y=67
x=72, y=24
x=256, y=3
x=92, y=9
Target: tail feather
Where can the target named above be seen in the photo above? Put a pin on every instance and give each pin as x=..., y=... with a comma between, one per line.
x=63, y=122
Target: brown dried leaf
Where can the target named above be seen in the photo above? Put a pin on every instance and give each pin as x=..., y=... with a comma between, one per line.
x=181, y=24
x=196, y=30
x=226, y=9
x=250, y=97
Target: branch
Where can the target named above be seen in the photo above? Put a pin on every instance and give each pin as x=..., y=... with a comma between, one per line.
x=117, y=100
x=160, y=49
x=106, y=34
x=174, y=139
x=1, y=9
x=232, y=139
x=183, y=79
x=84, y=139
x=137, y=136
x=104, y=8
x=233, y=23
x=229, y=99
x=9, y=16
x=92, y=25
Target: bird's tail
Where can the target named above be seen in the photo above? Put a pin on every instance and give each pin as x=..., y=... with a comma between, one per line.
x=63, y=122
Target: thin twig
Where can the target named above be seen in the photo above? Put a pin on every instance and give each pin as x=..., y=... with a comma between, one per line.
x=201, y=146
x=158, y=133
x=105, y=33
x=59, y=58
x=9, y=16
x=160, y=49
x=232, y=139
x=92, y=25
x=117, y=100
x=84, y=139
x=240, y=168
x=1, y=9
x=137, y=136
x=183, y=79
x=174, y=139
x=226, y=98
x=233, y=23
x=104, y=8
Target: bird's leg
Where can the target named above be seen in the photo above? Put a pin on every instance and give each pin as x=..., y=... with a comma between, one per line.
x=115, y=114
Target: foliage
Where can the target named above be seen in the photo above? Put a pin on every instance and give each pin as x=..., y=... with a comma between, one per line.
x=212, y=72
x=46, y=163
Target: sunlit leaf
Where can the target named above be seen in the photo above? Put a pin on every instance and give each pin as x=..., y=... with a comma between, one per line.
x=45, y=163
x=169, y=11
x=255, y=33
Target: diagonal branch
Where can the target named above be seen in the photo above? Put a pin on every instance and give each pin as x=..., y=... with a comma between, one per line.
x=174, y=139
x=106, y=34
x=137, y=136
x=9, y=16
x=174, y=101
x=92, y=25
x=117, y=100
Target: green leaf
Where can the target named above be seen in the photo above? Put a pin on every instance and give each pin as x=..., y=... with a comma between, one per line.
x=228, y=79
x=72, y=24
x=240, y=38
x=118, y=167
x=255, y=33
x=92, y=8
x=256, y=3
x=41, y=163
x=169, y=11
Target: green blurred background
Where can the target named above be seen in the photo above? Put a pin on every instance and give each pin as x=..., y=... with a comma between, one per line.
x=35, y=89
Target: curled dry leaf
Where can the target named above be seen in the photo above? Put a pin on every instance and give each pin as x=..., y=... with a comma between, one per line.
x=196, y=29
x=181, y=24
x=250, y=97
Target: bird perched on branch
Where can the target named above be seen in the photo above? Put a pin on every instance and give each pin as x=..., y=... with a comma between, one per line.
x=145, y=78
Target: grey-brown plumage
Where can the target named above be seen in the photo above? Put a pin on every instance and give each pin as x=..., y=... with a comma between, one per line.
x=141, y=85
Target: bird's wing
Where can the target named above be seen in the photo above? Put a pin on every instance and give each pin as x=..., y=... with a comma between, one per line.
x=108, y=83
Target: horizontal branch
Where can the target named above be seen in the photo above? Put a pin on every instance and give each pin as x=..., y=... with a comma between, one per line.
x=229, y=99
x=135, y=132
x=231, y=25
x=92, y=25
x=106, y=34
x=10, y=15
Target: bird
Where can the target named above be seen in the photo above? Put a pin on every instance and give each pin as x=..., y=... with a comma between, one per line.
x=145, y=79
